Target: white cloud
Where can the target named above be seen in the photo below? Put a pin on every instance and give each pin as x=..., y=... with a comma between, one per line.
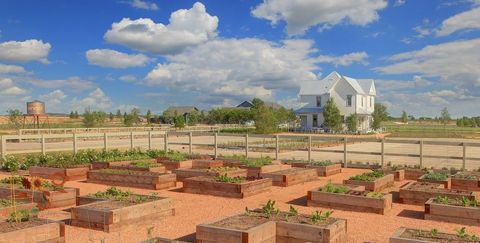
x=55, y=97
x=300, y=15
x=76, y=83
x=126, y=108
x=391, y=85
x=96, y=100
x=9, y=88
x=291, y=103
x=143, y=4
x=128, y=78
x=4, y=68
x=399, y=3
x=468, y=20
x=345, y=60
x=24, y=51
x=115, y=59
x=187, y=27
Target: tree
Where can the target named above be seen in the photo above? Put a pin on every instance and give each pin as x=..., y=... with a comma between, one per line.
x=119, y=114
x=72, y=115
x=15, y=118
x=131, y=118
x=379, y=115
x=179, y=121
x=404, y=117
x=331, y=114
x=111, y=116
x=76, y=116
x=445, y=116
x=352, y=123
x=148, y=116
x=94, y=118
x=264, y=117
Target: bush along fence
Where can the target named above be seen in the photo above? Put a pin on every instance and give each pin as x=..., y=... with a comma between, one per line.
x=238, y=143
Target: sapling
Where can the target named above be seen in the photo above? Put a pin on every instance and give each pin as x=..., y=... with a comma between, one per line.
x=441, y=199
x=293, y=211
x=434, y=232
x=462, y=233
x=248, y=212
x=269, y=209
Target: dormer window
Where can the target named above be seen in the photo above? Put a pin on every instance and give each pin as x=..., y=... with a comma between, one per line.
x=319, y=101
x=349, y=100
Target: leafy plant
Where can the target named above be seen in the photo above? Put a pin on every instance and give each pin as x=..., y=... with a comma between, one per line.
x=248, y=211
x=329, y=187
x=269, y=209
x=462, y=233
x=368, y=176
x=466, y=202
x=319, y=216
x=441, y=199
x=21, y=215
x=322, y=163
x=293, y=211
x=436, y=176
x=374, y=195
x=259, y=162
x=434, y=232
x=113, y=193
x=10, y=163
x=228, y=179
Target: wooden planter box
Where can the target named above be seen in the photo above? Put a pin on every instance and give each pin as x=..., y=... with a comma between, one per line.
x=255, y=172
x=104, y=216
x=274, y=231
x=398, y=175
x=446, y=183
x=375, y=186
x=466, y=184
x=148, y=180
x=231, y=162
x=206, y=164
x=360, y=203
x=83, y=200
x=105, y=165
x=49, y=231
x=413, y=174
x=173, y=165
x=158, y=169
x=452, y=213
x=45, y=199
x=300, y=164
x=327, y=170
x=24, y=204
x=401, y=235
x=200, y=157
x=291, y=176
x=183, y=174
x=69, y=174
x=208, y=186
x=418, y=193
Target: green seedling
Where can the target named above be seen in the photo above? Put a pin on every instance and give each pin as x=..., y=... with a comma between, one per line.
x=293, y=211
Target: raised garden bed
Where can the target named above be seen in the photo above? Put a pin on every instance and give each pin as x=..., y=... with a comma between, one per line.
x=413, y=173
x=199, y=157
x=349, y=197
x=255, y=227
x=240, y=189
x=373, y=181
x=33, y=230
x=47, y=196
x=7, y=207
x=461, y=211
x=108, y=164
x=113, y=215
x=418, y=193
x=408, y=235
x=206, y=163
x=438, y=178
x=172, y=165
x=398, y=174
x=67, y=174
x=129, y=178
x=469, y=181
x=255, y=172
x=291, y=176
x=326, y=168
x=183, y=174
x=141, y=165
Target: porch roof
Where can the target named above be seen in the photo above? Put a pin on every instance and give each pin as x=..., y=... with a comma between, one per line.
x=309, y=110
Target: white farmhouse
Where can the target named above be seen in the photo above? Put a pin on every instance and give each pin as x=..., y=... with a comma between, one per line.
x=350, y=95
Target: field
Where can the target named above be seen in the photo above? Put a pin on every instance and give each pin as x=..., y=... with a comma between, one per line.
x=430, y=130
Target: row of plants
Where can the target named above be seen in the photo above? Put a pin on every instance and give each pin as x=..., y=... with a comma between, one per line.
x=341, y=189
x=463, y=201
x=82, y=158
x=229, y=179
x=368, y=176
x=461, y=234
x=250, y=162
x=113, y=193
x=34, y=183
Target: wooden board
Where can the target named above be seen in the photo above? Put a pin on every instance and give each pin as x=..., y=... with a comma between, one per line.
x=172, y=165
x=292, y=176
x=376, y=186
x=413, y=174
x=208, y=185
x=452, y=213
x=156, y=182
x=328, y=170
x=446, y=183
x=416, y=196
x=206, y=164
x=467, y=185
x=26, y=205
x=255, y=172
x=45, y=199
x=69, y=174
x=47, y=232
x=184, y=173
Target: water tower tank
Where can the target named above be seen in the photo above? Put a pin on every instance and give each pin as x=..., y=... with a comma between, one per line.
x=35, y=107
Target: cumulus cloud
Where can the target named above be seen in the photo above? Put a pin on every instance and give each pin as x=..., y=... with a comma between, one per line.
x=187, y=27
x=115, y=59
x=468, y=20
x=128, y=78
x=300, y=15
x=399, y=3
x=239, y=69
x=76, y=83
x=24, y=51
x=55, y=97
x=345, y=60
x=9, y=88
x=96, y=100
x=141, y=4
x=4, y=69
x=391, y=85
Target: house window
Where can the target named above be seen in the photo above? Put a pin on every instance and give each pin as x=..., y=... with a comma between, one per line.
x=315, y=120
x=349, y=100
x=319, y=101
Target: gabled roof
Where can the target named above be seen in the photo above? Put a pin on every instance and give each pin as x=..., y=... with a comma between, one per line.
x=248, y=104
x=245, y=104
x=309, y=110
x=361, y=86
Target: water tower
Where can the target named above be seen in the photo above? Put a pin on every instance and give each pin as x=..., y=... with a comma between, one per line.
x=35, y=111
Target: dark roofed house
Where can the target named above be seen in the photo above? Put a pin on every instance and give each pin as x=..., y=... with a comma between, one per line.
x=248, y=104
x=184, y=111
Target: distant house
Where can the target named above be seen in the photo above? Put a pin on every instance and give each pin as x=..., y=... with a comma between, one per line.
x=184, y=111
x=352, y=96
x=248, y=104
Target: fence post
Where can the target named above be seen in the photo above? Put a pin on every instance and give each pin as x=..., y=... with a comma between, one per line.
x=74, y=141
x=105, y=141
x=215, y=145
x=421, y=154
x=383, y=152
x=149, y=140
x=464, y=155
x=190, y=145
x=345, y=164
x=246, y=145
x=277, y=147
x=3, y=146
x=131, y=141
x=309, y=148
x=43, y=144
x=165, y=141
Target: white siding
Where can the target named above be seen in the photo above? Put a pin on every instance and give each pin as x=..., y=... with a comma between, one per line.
x=311, y=100
x=339, y=94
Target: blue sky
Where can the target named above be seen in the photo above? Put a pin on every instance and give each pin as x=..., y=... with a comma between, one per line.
x=109, y=55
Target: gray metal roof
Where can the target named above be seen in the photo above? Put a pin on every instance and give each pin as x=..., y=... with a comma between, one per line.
x=309, y=110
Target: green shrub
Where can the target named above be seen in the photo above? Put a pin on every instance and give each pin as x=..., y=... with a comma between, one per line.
x=322, y=163
x=436, y=176
x=228, y=179
x=368, y=176
x=329, y=187
x=10, y=163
